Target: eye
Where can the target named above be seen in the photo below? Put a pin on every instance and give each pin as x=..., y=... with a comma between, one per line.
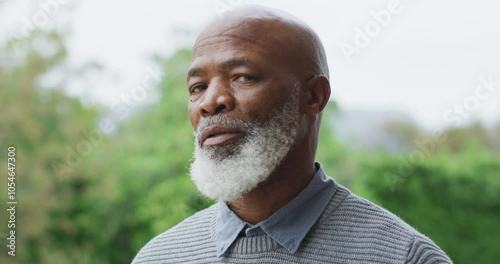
x=244, y=78
x=195, y=89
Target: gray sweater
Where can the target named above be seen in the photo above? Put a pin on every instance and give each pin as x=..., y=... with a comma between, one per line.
x=350, y=230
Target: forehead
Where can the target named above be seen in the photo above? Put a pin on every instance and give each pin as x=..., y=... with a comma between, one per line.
x=231, y=51
x=267, y=43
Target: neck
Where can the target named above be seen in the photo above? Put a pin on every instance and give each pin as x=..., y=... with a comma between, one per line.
x=288, y=180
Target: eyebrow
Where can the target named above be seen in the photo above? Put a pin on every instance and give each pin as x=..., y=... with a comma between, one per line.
x=237, y=62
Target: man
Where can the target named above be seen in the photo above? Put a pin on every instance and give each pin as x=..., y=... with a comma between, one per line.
x=258, y=83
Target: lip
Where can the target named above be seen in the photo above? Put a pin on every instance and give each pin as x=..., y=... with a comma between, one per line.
x=218, y=135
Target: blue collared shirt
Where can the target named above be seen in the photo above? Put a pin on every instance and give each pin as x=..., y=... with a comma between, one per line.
x=289, y=225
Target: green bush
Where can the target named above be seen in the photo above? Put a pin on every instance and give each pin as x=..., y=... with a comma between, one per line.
x=453, y=199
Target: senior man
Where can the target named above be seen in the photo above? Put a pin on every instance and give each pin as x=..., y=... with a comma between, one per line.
x=258, y=83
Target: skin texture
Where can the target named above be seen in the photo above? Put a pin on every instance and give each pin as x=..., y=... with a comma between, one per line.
x=244, y=66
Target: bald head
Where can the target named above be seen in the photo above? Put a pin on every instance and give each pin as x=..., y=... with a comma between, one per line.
x=285, y=36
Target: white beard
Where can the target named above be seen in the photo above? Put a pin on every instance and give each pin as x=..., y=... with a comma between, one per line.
x=231, y=170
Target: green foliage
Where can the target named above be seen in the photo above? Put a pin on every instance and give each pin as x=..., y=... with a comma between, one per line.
x=454, y=199
x=40, y=123
x=336, y=159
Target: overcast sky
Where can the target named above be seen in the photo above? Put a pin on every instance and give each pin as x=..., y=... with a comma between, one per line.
x=430, y=59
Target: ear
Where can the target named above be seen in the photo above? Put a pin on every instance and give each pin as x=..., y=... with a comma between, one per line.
x=317, y=93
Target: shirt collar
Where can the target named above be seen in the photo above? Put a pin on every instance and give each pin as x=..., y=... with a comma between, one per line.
x=289, y=225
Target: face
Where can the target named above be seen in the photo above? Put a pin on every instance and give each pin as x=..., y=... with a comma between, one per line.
x=239, y=79
x=244, y=110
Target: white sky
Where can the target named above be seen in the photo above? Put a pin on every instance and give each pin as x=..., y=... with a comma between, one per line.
x=427, y=58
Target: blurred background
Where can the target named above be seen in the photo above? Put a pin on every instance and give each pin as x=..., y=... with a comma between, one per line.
x=93, y=98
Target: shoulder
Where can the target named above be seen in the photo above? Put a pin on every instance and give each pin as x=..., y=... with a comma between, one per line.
x=359, y=223
x=373, y=218
x=192, y=234
x=386, y=226
x=423, y=250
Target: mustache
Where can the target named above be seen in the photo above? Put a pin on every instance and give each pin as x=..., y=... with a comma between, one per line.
x=222, y=121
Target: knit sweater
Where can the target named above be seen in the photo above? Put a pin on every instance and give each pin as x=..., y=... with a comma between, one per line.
x=350, y=230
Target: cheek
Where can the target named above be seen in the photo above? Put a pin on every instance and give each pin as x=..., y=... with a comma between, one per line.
x=260, y=106
x=251, y=106
x=192, y=114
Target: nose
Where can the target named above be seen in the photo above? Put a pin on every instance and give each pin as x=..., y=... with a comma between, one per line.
x=217, y=99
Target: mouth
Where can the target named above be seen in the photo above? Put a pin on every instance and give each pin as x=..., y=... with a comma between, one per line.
x=218, y=135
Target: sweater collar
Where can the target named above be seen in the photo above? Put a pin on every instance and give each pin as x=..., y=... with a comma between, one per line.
x=288, y=226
